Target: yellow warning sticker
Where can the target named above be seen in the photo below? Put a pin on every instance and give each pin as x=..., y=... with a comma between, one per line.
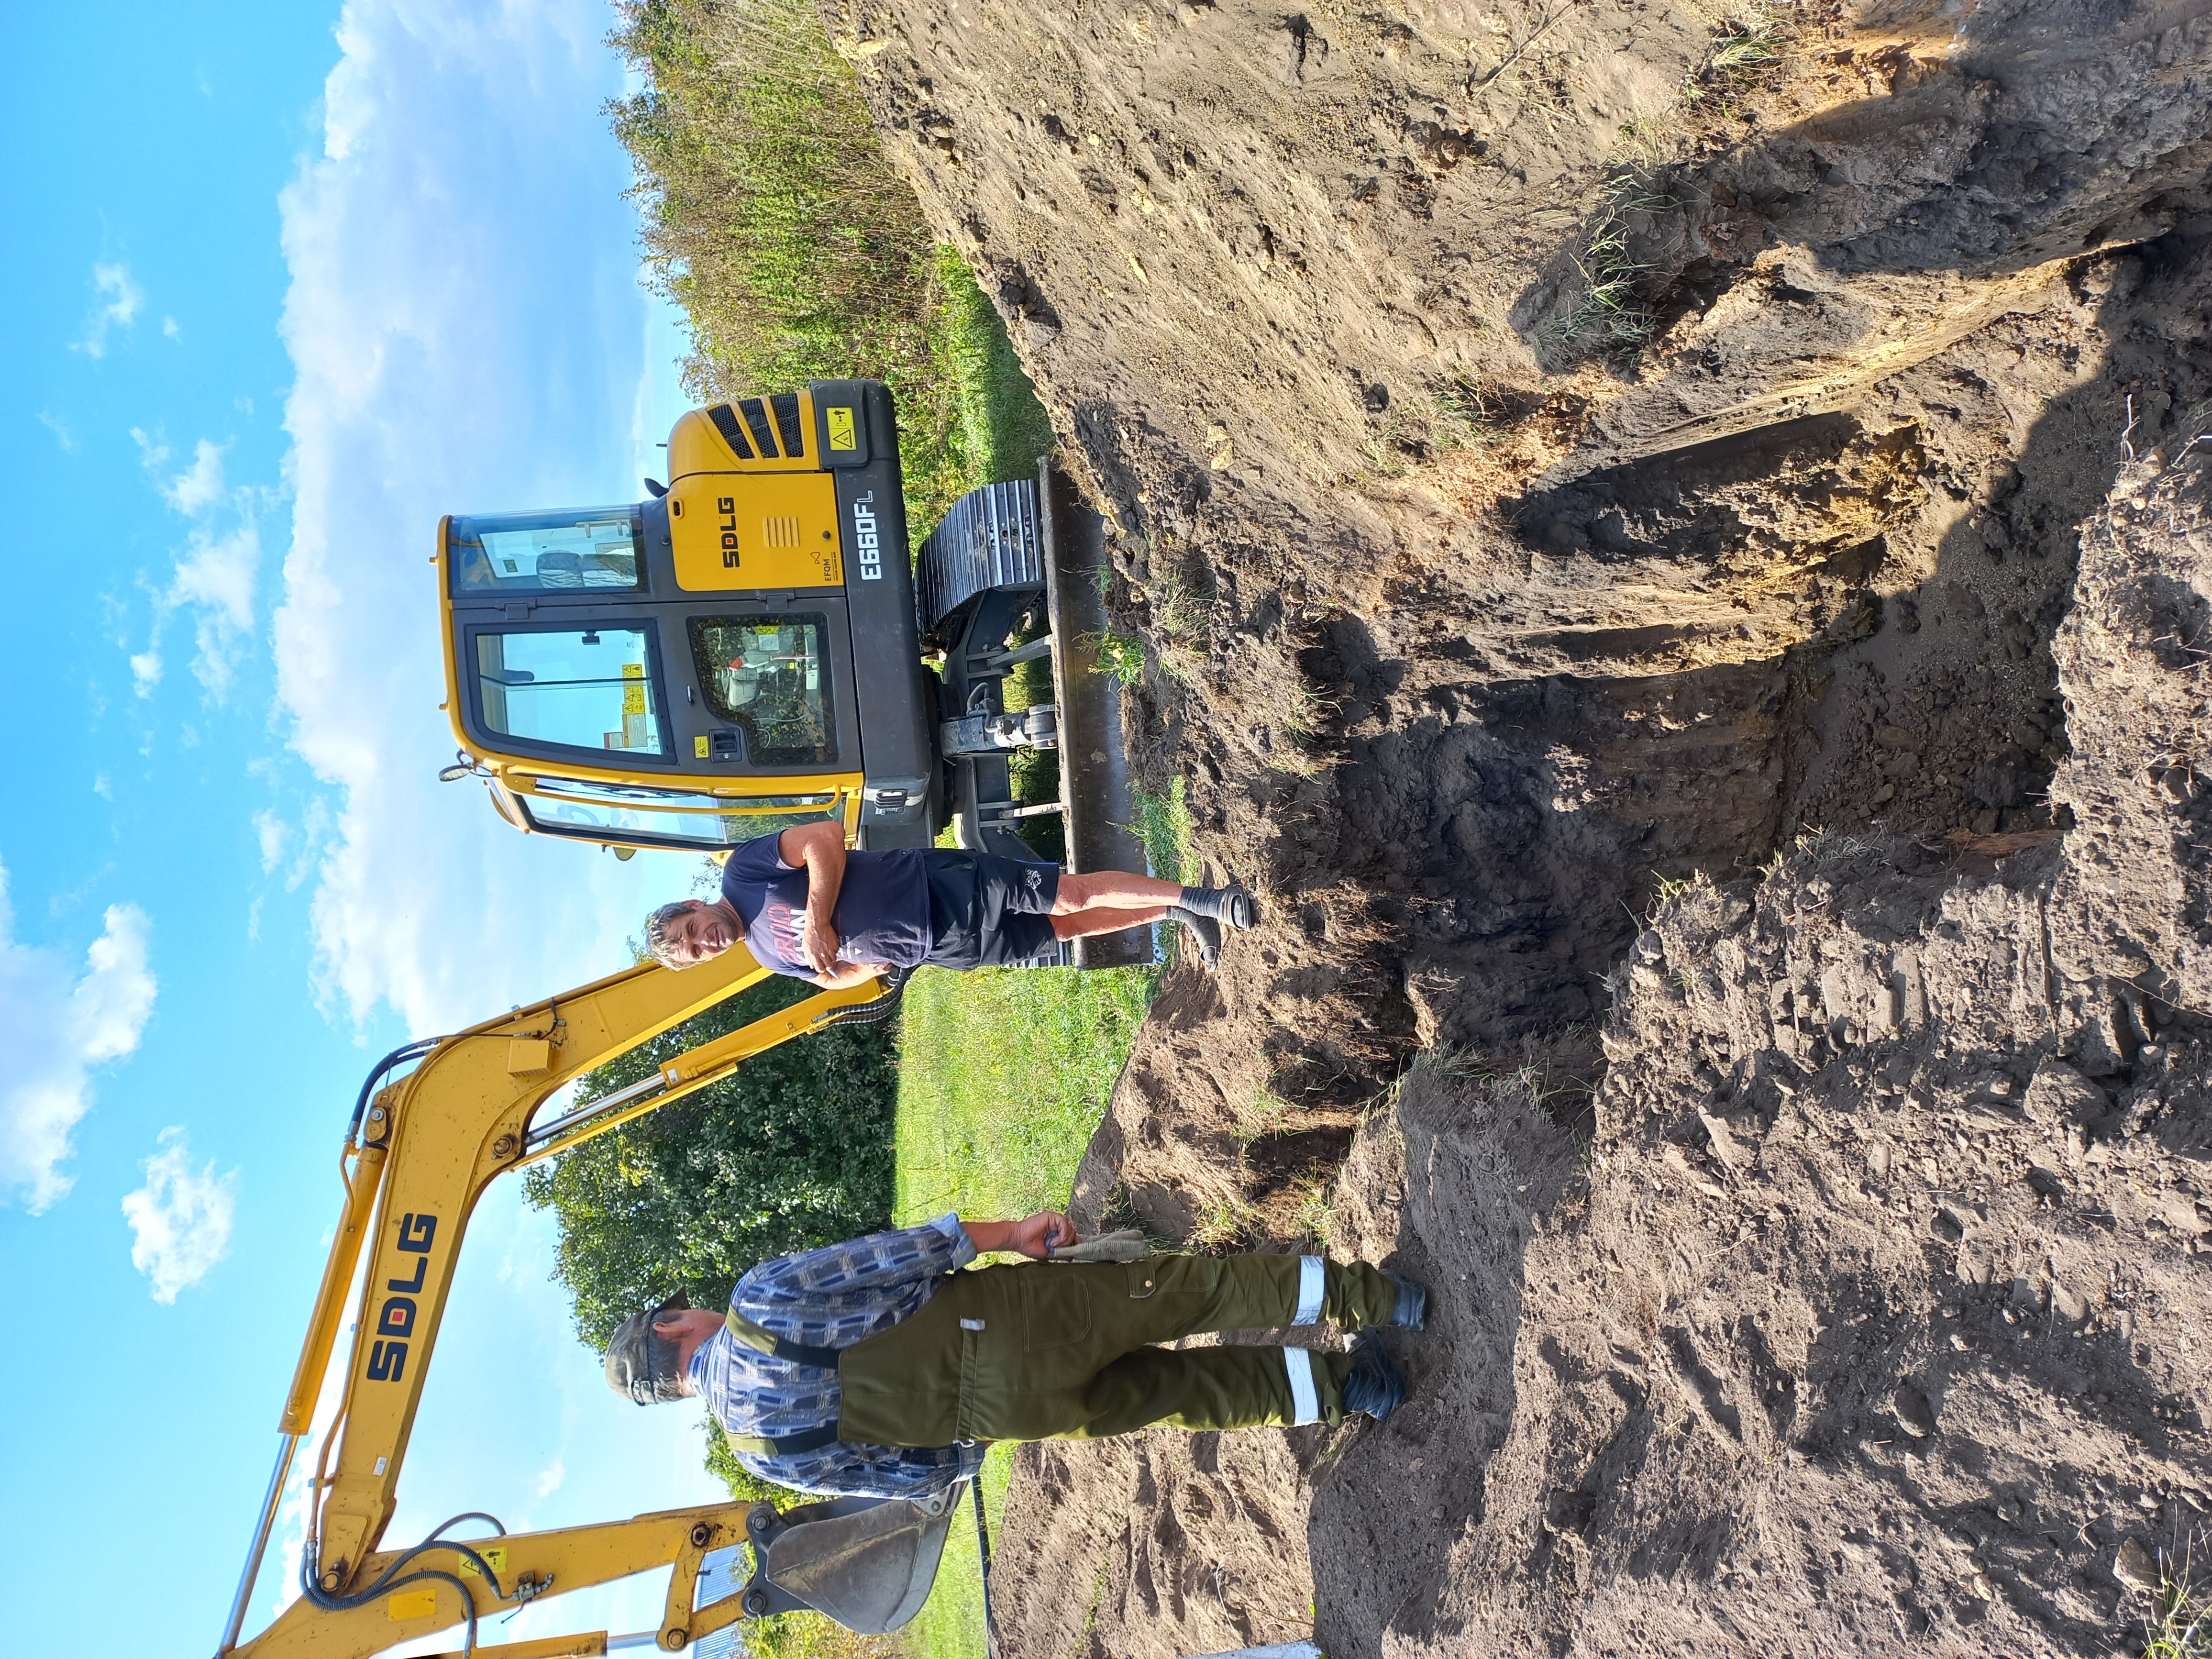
x=494, y=1556
x=699, y=748
x=634, y=687
x=417, y=1602
x=840, y=429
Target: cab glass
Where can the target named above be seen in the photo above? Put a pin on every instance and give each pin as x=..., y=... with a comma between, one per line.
x=629, y=813
x=768, y=677
x=572, y=688
x=543, y=552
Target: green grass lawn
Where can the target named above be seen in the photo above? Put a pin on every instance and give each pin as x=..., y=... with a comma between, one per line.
x=1003, y=1076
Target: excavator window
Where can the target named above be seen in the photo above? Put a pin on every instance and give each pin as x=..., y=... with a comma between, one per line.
x=647, y=816
x=508, y=553
x=591, y=687
x=768, y=677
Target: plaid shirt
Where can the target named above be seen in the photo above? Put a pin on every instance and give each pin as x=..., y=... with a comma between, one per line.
x=832, y=1298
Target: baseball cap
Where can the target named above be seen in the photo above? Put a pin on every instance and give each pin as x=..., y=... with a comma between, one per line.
x=630, y=1357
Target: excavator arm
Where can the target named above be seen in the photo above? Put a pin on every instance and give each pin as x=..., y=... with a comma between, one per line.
x=418, y=1157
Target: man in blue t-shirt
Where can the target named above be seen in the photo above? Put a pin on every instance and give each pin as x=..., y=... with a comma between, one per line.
x=806, y=906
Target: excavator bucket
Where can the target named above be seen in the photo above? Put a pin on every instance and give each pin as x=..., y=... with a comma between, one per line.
x=870, y=1572
x=866, y=1562
x=1006, y=553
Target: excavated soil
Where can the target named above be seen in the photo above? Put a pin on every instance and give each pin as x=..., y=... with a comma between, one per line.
x=1560, y=457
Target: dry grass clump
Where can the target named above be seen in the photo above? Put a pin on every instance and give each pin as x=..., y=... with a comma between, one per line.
x=773, y=217
x=774, y=220
x=2180, y=1625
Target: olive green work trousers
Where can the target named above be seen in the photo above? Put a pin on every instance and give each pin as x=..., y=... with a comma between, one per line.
x=1065, y=1350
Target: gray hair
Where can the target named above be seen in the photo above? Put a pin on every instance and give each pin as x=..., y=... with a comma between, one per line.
x=658, y=945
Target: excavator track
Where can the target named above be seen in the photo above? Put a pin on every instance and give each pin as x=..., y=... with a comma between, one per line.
x=1029, y=548
x=993, y=538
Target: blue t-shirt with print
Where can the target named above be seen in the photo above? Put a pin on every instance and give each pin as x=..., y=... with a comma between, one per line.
x=882, y=914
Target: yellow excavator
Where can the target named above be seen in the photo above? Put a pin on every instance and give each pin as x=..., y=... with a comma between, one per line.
x=436, y=1122
x=744, y=649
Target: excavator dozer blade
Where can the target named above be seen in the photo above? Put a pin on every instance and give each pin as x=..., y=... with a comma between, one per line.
x=869, y=1570
x=1095, y=798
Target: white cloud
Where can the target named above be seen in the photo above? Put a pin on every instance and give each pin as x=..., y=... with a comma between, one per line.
x=169, y=329
x=118, y=310
x=437, y=375
x=180, y=1221
x=153, y=448
x=216, y=573
x=60, y=1024
x=550, y=1477
x=199, y=486
x=272, y=832
x=216, y=579
x=63, y=435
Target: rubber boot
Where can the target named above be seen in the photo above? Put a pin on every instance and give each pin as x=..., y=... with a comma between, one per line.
x=1411, y=1310
x=1374, y=1387
x=1204, y=932
x=1231, y=905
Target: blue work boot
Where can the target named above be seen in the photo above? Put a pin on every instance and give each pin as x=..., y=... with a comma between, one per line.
x=1411, y=1310
x=1373, y=1388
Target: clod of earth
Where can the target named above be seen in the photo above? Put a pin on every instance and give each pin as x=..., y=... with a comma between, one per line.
x=1677, y=560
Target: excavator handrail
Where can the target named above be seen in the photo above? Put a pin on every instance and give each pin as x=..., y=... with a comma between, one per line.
x=424, y=1148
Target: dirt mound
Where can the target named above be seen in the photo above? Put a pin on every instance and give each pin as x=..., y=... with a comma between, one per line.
x=1870, y=1315
x=1474, y=607
x=1559, y=453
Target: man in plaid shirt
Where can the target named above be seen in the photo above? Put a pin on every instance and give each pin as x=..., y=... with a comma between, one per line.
x=877, y=1368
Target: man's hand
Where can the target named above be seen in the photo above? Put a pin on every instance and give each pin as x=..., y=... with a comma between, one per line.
x=843, y=975
x=1038, y=1235
x=1036, y=1238
x=820, y=940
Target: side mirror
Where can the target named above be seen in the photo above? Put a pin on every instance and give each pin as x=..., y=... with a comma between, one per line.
x=655, y=488
x=623, y=855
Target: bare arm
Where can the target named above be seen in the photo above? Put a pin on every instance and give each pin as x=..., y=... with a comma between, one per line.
x=1036, y=1235
x=843, y=975
x=820, y=849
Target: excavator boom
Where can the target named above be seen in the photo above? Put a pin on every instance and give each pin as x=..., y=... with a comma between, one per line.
x=421, y=1152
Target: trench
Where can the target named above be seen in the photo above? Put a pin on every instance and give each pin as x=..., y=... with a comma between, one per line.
x=1862, y=604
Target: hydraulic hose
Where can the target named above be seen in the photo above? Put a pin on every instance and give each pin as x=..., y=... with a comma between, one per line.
x=399, y=1056
x=388, y=1582
x=874, y=1011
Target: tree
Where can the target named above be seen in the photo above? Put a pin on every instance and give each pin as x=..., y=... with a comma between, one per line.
x=792, y=1151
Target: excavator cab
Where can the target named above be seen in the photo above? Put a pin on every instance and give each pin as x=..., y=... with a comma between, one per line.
x=737, y=653
x=744, y=650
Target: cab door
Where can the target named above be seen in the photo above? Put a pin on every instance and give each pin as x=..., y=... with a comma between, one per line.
x=572, y=641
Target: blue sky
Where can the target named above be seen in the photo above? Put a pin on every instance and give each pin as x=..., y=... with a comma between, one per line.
x=290, y=281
